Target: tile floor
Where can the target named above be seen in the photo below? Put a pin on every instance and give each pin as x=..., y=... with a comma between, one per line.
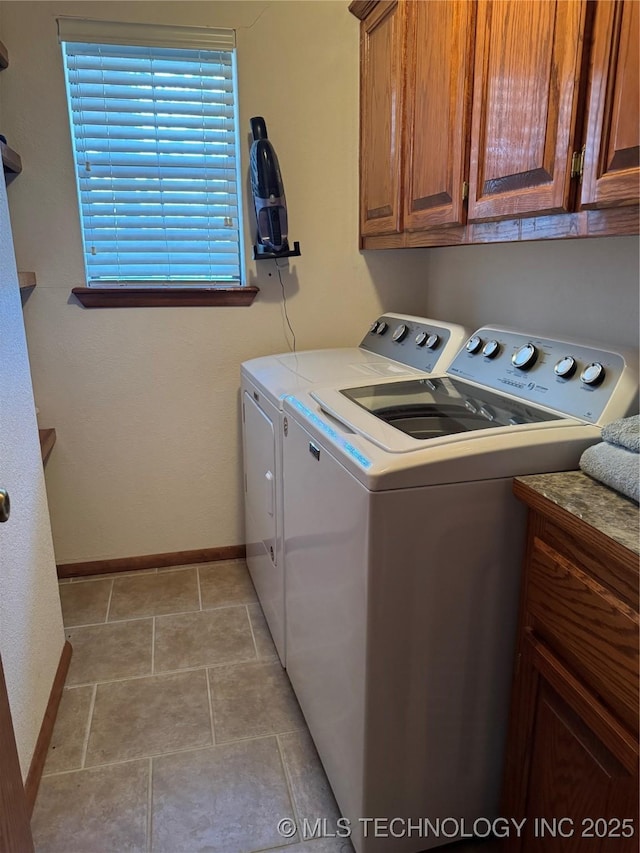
x=178, y=731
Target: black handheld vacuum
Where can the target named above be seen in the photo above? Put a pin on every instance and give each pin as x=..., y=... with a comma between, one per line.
x=268, y=197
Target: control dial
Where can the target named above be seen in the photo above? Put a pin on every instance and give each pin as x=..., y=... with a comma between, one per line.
x=593, y=374
x=382, y=327
x=566, y=367
x=421, y=338
x=491, y=349
x=474, y=344
x=374, y=327
x=400, y=333
x=433, y=341
x=525, y=357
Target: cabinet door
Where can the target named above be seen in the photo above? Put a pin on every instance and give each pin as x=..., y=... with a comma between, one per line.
x=381, y=88
x=438, y=111
x=527, y=64
x=569, y=762
x=612, y=150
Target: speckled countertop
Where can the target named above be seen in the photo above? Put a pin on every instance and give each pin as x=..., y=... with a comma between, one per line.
x=605, y=510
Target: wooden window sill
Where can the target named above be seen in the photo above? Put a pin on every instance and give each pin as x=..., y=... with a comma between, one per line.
x=146, y=297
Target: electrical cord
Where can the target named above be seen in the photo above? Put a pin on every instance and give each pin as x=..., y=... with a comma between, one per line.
x=284, y=305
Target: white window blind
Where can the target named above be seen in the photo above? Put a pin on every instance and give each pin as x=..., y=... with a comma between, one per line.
x=155, y=142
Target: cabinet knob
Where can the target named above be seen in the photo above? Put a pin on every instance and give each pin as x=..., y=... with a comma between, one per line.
x=5, y=505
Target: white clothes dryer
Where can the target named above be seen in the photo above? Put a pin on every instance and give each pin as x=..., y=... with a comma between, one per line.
x=396, y=345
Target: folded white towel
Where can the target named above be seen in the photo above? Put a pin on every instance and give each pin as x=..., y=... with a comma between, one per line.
x=625, y=432
x=614, y=466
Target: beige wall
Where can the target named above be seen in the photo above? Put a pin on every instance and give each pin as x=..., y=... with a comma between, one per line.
x=31, y=634
x=579, y=288
x=145, y=401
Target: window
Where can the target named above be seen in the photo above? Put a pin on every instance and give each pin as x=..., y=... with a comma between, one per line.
x=154, y=126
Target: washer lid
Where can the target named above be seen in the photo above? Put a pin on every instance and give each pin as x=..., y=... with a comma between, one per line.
x=435, y=407
x=413, y=414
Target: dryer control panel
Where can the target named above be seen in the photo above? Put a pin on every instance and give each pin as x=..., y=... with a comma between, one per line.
x=416, y=341
x=588, y=382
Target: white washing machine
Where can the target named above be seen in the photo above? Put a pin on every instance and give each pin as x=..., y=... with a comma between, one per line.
x=395, y=345
x=403, y=546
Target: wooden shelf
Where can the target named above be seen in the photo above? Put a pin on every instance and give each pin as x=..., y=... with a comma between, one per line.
x=4, y=57
x=27, y=280
x=47, y=440
x=11, y=162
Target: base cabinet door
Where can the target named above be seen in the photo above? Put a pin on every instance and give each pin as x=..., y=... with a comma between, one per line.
x=571, y=769
x=525, y=104
x=612, y=148
x=437, y=112
x=578, y=764
x=381, y=90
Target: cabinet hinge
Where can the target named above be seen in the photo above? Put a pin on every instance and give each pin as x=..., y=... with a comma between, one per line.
x=577, y=163
x=465, y=190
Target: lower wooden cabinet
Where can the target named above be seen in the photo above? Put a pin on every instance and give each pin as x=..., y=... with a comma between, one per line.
x=572, y=757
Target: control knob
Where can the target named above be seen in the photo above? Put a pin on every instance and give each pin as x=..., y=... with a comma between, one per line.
x=593, y=374
x=374, y=327
x=433, y=341
x=421, y=338
x=382, y=327
x=400, y=333
x=491, y=349
x=566, y=367
x=474, y=344
x=525, y=357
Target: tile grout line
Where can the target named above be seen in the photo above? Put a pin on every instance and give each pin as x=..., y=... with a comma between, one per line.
x=253, y=636
x=289, y=783
x=213, y=731
x=153, y=645
x=111, y=622
x=151, y=616
x=116, y=763
x=106, y=617
x=199, y=587
x=105, y=576
x=85, y=745
x=133, y=573
x=174, y=752
x=173, y=671
x=150, y=807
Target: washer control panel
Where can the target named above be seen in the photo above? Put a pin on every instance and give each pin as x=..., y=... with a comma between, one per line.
x=416, y=341
x=561, y=375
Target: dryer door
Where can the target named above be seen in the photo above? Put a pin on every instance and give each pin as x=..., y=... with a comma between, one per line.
x=262, y=503
x=259, y=472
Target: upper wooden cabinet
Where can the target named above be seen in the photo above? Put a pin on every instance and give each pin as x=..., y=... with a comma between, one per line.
x=477, y=115
x=612, y=145
x=381, y=90
x=525, y=103
x=437, y=97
